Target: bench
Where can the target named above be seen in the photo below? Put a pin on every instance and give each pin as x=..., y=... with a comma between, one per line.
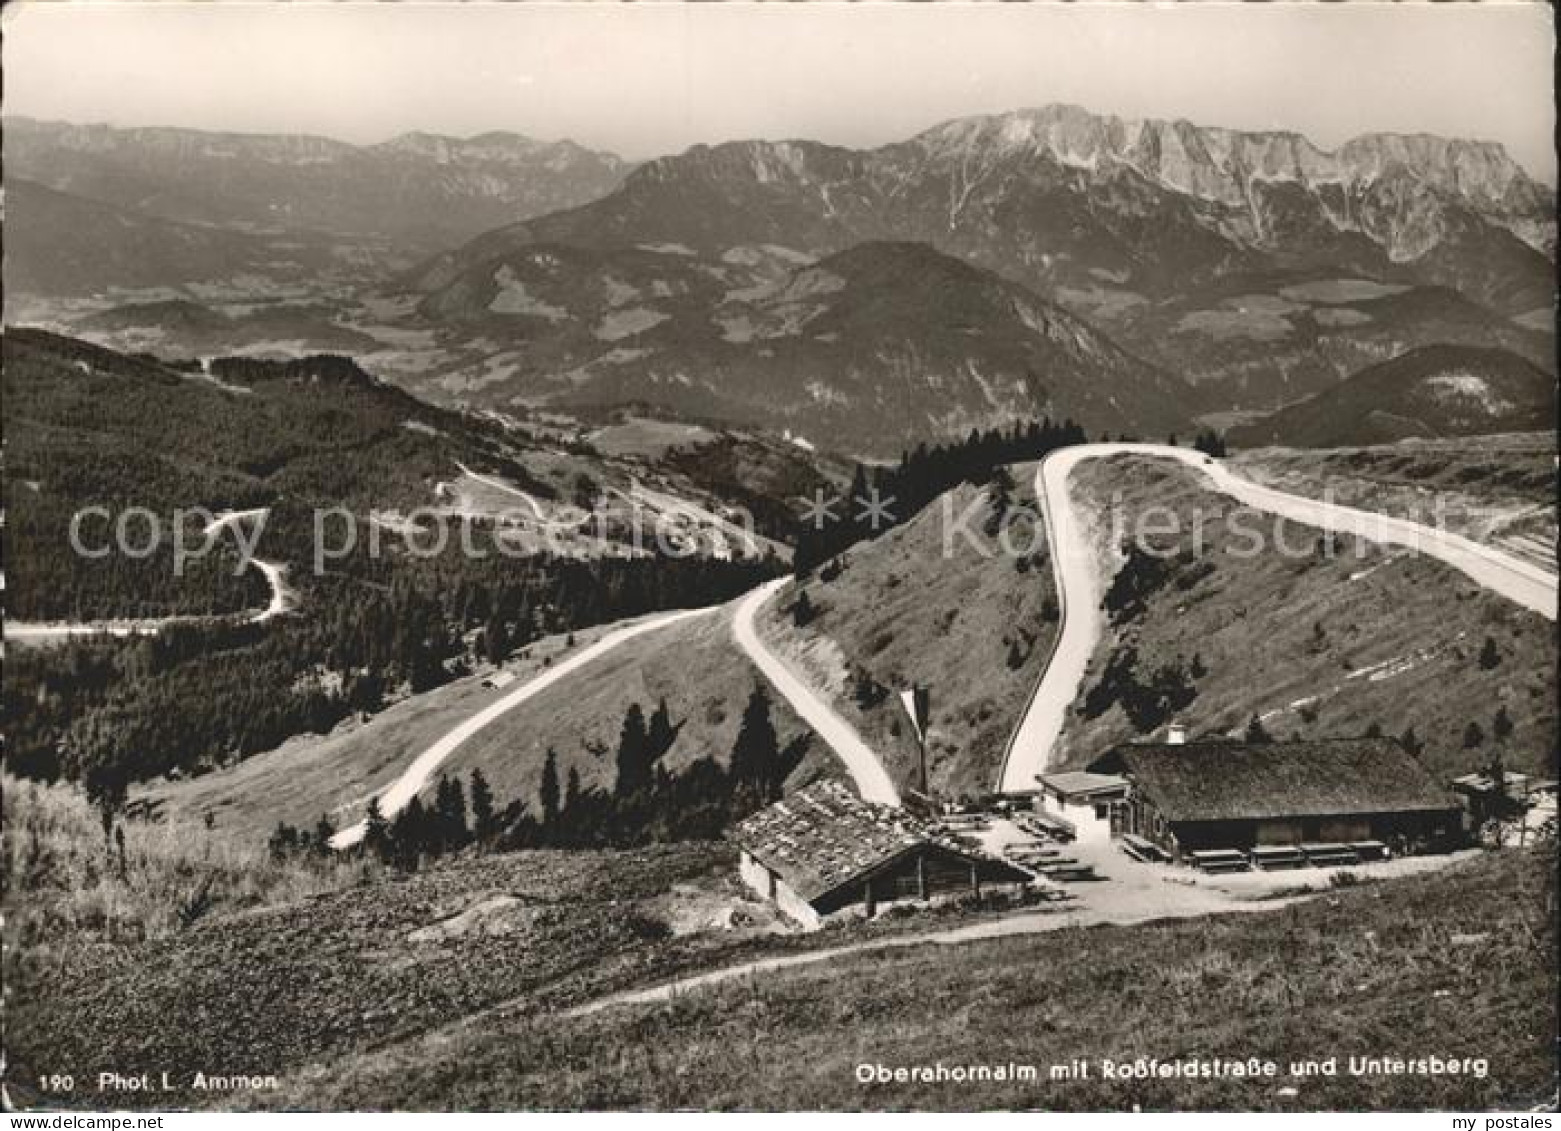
x=1049, y=825
x=1330, y=855
x=1034, y=859
x=1145, y=850
x=1278, y=856
x=1056, y=862
x=1218, y=860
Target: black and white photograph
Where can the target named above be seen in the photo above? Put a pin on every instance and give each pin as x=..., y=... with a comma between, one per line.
x=779, y=557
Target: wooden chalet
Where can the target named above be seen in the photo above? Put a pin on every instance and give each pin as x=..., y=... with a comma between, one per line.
x=1206, y=796
x=824, y=851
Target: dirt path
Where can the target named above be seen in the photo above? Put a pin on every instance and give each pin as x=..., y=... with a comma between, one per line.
x=872, y=780
x=1079, y=583
x=1020, y=923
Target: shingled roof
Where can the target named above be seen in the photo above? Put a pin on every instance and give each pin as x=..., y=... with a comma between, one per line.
x=824, y=836
x=1220, y=781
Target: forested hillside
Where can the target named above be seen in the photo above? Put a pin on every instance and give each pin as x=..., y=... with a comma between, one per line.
x=389, y=617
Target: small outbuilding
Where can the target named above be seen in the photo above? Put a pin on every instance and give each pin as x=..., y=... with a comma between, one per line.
x=1209, y=795
x=823, y=851
x=1084, y=800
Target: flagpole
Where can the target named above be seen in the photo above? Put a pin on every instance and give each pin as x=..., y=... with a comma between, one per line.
x=917, y=703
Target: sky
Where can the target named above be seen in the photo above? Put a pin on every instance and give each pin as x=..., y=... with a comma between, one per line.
x=655, y=78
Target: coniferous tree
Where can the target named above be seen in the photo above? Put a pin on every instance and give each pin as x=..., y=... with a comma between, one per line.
x=495, y=640
x=634, y=761
x=802, y=611
x=1002, y=499
x=860, y=489
x=1501, y=725
x=283, y=842
x=571, y=789
x=661, y=734
x=376, y=831
x=482, y=807
x=323, y=832
x=756, y=753
x=1210, y=443
x=549, y=789
x=412, y=836
x=919, y=477
x=449, y=831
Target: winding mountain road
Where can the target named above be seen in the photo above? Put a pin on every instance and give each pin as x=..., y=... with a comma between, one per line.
x=872, y=780
x=509, y=488
x=421, y=769
x=1080, y=585
x=865, y=769
x=151, y=626
x=277, y=605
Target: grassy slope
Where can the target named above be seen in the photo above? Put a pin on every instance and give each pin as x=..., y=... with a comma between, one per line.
x=646, y=437
x=205, y=955
x=331, y=980
x=338, y=772
x=292, y=962
x=693, y=664
x=1252, y=623
x=907, y=613
x=1378, y=969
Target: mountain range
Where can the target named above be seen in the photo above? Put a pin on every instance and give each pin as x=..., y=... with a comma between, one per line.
x=1134, y=274
x=1188, y=245
x=1061, y=197
x=418, y=189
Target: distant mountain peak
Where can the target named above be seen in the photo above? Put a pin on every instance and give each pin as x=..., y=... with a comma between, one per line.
x=492, y=145
x=1219, y=164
